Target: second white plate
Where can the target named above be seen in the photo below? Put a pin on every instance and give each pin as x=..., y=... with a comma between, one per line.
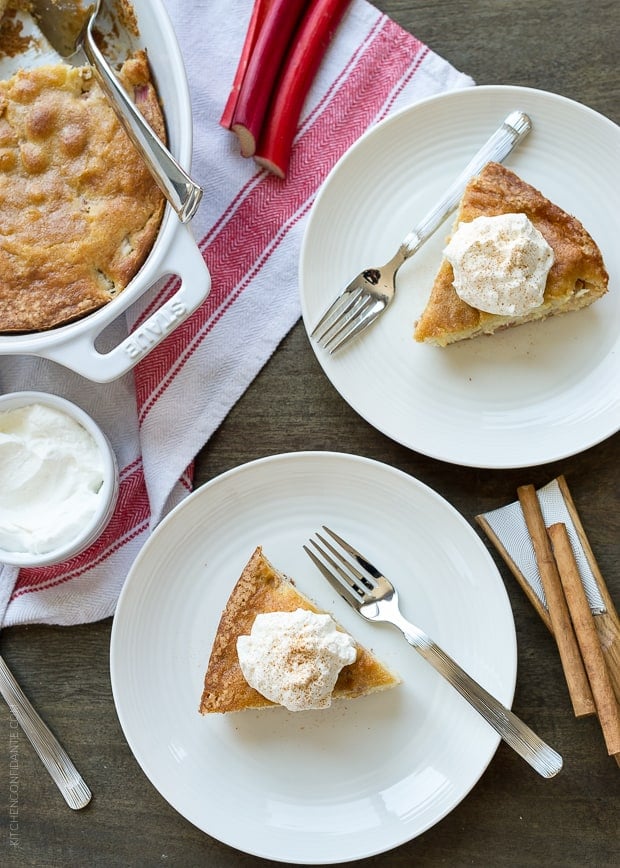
x=319, y=786
x=527, y=396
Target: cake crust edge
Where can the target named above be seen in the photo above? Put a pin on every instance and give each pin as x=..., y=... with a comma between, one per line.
x=577, y=278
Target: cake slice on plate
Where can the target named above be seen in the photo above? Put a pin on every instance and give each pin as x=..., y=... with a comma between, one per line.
x=577, y=276
x=262, y=589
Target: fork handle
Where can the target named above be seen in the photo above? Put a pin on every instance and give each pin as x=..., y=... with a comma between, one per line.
x=54, y=757
x=546, y=761
x=515, y=127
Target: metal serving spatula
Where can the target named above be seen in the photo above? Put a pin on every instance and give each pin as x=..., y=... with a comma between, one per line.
x=68, y=27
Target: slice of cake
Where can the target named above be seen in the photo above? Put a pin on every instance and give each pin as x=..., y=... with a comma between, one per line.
x=577, y=276
x=263, y=589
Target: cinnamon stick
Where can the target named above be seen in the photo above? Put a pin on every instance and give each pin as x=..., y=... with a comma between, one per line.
x=570, y=655
x=527, y=589
x=587, y=637
x=607, y=623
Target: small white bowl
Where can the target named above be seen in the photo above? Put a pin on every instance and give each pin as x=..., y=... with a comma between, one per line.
x=108, y=493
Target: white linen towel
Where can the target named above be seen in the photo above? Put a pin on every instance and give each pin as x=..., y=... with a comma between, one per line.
x=249, y=228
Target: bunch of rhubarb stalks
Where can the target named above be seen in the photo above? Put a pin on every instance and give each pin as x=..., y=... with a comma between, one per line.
x=284, y=45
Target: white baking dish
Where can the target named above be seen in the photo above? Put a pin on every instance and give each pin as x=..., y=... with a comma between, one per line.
x=175, y=251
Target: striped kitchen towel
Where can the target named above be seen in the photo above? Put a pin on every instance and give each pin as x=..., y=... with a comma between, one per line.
x=249, y=228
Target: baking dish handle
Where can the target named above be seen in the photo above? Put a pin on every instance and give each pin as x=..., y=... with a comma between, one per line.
x=78, y=352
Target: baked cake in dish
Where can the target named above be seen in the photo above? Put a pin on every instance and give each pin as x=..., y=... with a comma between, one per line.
x=261, y=589
x=79, y=210
x=575, y=280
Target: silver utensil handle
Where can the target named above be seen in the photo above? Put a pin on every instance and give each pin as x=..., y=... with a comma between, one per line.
x=54, y=757
x=179, y=189
x=515, y=127
x=546, y=761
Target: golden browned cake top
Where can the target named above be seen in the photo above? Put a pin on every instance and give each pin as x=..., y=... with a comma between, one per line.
x=578, y=262
x=79, y=211
x=261, y=588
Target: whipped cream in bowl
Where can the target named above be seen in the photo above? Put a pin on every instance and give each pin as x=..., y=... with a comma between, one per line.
x=294, y=658
x=58, y=479
x=500, y=264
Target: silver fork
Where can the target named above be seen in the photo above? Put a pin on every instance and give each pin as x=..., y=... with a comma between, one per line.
x=54, y=757
x=372, y=291
x=376, y=599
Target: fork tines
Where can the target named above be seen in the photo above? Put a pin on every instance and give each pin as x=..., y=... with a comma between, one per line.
x=339, y=307
x=348, y=581
x=341, y=321
x=352, y=312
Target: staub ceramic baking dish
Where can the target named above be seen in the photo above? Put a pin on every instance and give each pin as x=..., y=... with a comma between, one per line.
x=175, y=251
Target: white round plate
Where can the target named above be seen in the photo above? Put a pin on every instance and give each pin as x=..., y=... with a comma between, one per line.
x=526, y=396
x=316, y=786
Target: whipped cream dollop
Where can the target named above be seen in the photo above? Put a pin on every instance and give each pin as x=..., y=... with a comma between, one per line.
x=294, y=658
x=51, y=471
x=500, y=264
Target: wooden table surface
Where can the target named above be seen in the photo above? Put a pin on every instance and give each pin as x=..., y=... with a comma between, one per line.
x=512, y=817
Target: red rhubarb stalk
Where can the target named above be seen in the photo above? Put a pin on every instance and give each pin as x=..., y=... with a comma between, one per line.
x=259, y=13
x=266, y=58
x=300, y=68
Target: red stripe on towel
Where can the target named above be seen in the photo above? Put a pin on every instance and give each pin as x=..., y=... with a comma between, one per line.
x=259, y=218
x=130, y=518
